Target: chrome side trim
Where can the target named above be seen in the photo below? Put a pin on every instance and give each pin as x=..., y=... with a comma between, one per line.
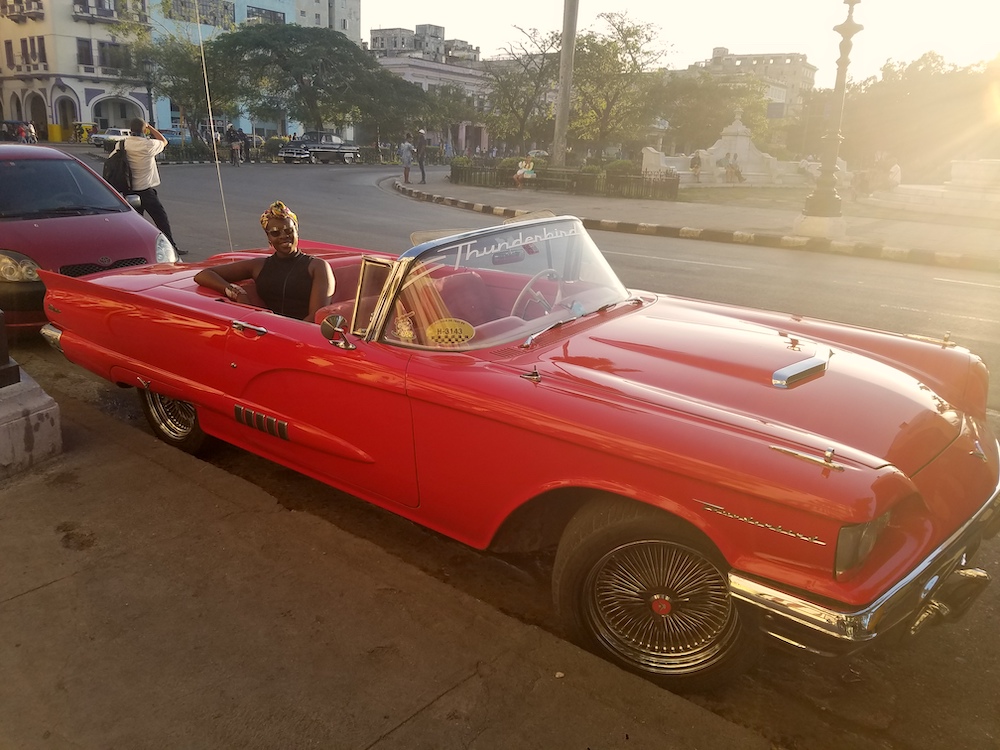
x=903, y=600
x=826, y=462
x=788, y=376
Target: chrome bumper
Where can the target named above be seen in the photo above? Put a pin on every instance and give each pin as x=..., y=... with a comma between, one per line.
x=53, y=335
x=941, y=587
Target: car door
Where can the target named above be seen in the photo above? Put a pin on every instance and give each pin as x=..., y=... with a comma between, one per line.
x=339, y=415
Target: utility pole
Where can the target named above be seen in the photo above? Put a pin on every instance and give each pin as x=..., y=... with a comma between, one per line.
x=570, y=11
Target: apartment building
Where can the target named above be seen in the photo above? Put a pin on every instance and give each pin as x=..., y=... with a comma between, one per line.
x=787, y=75
x=61, y=60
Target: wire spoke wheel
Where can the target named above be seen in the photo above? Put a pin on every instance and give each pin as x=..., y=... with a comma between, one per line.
x=173, y=421
x=662, y=606
x=650, y=593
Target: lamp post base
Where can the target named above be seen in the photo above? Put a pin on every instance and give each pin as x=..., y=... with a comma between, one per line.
x=831, y=227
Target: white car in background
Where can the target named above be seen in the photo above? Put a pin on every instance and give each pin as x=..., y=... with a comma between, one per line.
x=105, y=137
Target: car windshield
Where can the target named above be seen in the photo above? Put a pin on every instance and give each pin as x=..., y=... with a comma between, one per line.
x=509, y=283
x=52, y=187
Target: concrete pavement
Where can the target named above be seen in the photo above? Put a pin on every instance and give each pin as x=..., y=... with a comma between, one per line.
x=938, y=240
x=151, y=600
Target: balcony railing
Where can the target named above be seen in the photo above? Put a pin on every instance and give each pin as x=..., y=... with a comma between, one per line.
x=85, y=12
x=14, y=11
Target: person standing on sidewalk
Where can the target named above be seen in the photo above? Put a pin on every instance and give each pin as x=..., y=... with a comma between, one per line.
x=141, y=152
x=406, y=157
x=422, y=154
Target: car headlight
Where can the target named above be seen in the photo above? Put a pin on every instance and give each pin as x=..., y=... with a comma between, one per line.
x=17, y=267
x=165, y=252
x=855, y=543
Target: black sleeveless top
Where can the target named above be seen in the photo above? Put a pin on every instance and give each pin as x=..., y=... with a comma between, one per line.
x=284, y=284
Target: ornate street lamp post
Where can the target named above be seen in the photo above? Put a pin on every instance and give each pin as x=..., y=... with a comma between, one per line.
x=147, y=67
x=821, y=216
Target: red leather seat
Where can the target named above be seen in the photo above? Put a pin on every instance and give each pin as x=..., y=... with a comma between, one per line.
x=466, y=297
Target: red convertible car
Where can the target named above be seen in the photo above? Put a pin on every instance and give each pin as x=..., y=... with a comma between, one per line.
x=705, y=473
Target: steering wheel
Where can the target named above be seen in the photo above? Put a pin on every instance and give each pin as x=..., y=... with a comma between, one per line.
x=527, y=295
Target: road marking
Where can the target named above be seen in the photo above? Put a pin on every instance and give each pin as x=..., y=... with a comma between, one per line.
x=675, y=260
x=968, y=283
x=940, y=312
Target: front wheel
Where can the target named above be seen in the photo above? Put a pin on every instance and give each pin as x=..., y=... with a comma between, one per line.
x=173, y=421
x=348, y=158
x=644, y=590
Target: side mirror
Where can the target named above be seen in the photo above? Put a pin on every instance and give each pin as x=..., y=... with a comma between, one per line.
x=334, y=330
x=134, y=201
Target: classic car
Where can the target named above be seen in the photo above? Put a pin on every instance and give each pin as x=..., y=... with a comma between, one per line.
x=175, y=137
x=319, y=146
x=57, y=214
x=705, y=473
x=107, y=138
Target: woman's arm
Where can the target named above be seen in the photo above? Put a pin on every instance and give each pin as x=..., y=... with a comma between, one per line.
x=323, y=285
x=223, y=278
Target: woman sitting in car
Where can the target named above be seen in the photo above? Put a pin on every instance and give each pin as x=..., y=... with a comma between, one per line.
x=288, y=281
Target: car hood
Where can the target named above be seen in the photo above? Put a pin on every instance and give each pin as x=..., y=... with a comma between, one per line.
x=733, y=370
x=100, y=239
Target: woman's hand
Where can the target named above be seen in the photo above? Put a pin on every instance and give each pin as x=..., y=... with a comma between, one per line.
x=237, y=293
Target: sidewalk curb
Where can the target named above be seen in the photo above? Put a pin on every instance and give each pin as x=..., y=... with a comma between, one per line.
x=859, y=248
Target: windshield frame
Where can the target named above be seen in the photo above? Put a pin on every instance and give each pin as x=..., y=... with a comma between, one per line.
x=556, y=254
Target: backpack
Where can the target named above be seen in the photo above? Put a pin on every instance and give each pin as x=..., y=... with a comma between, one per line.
x=117, y=170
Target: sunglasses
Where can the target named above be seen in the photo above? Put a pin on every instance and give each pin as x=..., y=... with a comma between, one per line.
x=288, y=231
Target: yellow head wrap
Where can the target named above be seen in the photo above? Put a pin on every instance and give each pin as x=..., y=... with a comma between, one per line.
x=278, y=210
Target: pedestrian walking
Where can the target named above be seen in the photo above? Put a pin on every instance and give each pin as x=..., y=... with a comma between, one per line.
x=235, y=145
x=406, y=157
x=32, y=133
x=141, y=151
x=422, y=154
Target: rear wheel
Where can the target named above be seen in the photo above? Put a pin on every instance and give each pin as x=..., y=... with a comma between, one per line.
x=646, y=591
x=173, y=421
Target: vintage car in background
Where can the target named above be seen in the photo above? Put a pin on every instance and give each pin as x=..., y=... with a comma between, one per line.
x=175, y=137
x=107, y=138
x=705, y=473
x=57, y=214
x=319, y=146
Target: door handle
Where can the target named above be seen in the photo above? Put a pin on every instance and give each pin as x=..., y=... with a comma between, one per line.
x=240, y=325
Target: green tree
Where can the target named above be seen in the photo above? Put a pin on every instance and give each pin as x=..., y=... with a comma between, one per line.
x=613, y=85
x=179, y=70
x=924, y=113
x=699, y=107
x=314, y=75
x=519, y=86
x=446, y=106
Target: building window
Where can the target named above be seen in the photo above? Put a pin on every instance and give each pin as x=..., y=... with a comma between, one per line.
x=265, y=15
x=343, y=25
x=84, y=52
x=210, y=12
x=111, y=55
x=8, y=48
x=302, y=14
x=316, y=19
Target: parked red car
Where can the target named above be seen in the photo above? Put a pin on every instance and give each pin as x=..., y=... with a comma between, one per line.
x=59, y=215
x=707, y=473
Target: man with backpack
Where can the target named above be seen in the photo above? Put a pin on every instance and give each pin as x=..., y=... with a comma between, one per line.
x=141, y=152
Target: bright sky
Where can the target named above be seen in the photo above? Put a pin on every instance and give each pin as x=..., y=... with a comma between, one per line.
x=962, y=31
